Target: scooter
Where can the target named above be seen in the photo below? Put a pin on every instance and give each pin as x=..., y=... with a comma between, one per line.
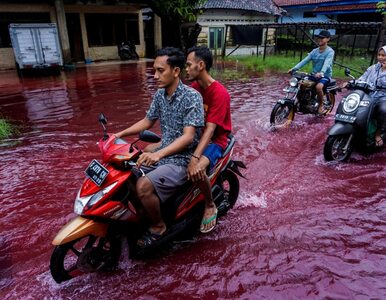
x=108, y=210
x=301, y=98
x=126, y=51
x=354, y=126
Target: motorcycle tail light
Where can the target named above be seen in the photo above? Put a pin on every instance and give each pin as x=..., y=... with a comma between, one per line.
x=351, y=103
x=293, y=82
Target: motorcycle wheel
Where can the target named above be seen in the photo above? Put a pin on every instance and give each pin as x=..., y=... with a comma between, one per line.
x=282, y=115
x=333, y=148
x=231, y=186
x=85, y=255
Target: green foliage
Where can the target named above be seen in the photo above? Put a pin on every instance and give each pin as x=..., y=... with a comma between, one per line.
x=6, y=129
x=183, y=9
x=381, y=7
x=282, y=63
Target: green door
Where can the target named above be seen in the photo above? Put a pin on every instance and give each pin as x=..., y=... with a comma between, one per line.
x=216, y=38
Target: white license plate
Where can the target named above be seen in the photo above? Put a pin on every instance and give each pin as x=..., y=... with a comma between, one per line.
x=345, y=118
x=96, y=172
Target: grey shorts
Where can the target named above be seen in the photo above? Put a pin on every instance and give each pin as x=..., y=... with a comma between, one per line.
x=166, y=179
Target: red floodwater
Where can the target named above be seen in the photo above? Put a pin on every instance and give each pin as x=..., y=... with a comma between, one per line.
x=302, y=228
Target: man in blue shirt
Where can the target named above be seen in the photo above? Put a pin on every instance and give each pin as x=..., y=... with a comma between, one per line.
x=322, y=59
x=180, y=111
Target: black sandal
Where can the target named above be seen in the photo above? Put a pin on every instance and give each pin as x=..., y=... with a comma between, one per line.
x=149, y=239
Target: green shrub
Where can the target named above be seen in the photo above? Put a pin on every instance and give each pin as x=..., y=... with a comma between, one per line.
x=6, y=129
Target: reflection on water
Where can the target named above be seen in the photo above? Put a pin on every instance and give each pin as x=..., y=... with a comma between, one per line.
x=302, y=228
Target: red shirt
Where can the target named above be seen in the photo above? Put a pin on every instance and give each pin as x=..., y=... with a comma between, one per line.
x=217, y=110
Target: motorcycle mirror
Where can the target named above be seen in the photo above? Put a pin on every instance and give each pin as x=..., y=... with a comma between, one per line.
x=148, y=136
x=347, y=71
x=102, y=119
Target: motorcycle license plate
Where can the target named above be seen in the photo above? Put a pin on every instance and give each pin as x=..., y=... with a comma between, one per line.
x=96, y=172
x=345, y=118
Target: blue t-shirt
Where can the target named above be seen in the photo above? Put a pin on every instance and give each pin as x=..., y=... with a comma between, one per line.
x=183, y=108
x=321, y=61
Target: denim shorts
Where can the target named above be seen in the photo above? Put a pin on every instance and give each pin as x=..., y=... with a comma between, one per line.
x=322, y=80
x=213, y=152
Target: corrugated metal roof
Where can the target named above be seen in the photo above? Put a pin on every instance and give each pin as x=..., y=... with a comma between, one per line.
x=262, y=6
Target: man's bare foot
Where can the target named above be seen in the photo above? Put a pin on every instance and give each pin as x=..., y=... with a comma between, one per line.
x=378, y=141
x=209, y=219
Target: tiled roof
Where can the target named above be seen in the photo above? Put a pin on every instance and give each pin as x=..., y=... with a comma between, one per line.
x=301, y=2
x=263, y=6
x=368, y=6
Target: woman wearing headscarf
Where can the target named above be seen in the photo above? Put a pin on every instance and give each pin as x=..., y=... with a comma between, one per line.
x=376, y=76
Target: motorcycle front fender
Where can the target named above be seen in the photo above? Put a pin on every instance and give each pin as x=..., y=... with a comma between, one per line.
x=77, y=228
x=341, y=128
x=286, y=101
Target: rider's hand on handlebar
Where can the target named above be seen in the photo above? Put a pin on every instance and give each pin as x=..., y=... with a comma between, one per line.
x=195, y=172
x=148, y=159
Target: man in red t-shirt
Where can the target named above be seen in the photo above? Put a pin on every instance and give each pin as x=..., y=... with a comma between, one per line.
x=218, y=125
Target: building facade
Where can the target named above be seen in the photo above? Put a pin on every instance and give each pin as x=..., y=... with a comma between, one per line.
x=89, y=30
x=225, y=22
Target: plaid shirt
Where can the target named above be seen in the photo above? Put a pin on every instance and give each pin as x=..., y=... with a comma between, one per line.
x=183, y=108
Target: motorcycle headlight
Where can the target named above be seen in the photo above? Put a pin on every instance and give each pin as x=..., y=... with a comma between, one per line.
x=351, y=103
x=82, y=202
x=293, y=82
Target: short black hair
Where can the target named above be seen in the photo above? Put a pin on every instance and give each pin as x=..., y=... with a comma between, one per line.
x=204, y=54
x=176, y=56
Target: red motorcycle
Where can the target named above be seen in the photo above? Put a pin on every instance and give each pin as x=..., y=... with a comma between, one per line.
x=106, y=206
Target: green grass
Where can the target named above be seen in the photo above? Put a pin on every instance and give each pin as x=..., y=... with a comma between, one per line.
x=282, y=63
x=6, y=129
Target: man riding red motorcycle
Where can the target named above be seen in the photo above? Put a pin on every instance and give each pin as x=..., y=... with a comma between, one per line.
x=107, y=203
x=181, y=116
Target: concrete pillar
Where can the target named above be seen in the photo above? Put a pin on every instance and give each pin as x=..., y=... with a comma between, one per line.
x=157, y=32
x=53, y=15
x=63, y=33
x=83, y=29
x=141, y=33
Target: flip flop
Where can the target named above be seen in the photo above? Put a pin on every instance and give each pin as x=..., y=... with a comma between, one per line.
x=208, y=221
x=323, y=113
x=378, y=142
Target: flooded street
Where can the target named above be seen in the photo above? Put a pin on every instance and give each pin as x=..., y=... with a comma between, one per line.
x=302, y=228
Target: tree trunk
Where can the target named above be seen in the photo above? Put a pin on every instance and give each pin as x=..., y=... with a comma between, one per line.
x=189, y=35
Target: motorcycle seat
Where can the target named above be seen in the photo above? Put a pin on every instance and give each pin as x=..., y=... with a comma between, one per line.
x=231, y=142
x=188, y=187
